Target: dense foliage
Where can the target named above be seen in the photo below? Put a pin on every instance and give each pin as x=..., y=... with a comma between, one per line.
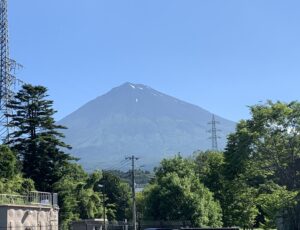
x=256, y=180
x=262, y=168
x=177, y=194
x=78, y=200
x=117, y=195
x=35, y=136
x=11, y=179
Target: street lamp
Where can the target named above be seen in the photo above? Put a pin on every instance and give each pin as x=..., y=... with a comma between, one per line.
x=103, y=198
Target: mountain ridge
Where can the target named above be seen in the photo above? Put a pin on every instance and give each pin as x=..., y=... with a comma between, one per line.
x=136, y=119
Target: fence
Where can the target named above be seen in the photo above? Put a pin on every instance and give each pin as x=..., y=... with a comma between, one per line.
x=154, y=225
x=165, y=224
x=162, y=225
x=121, y=225
x=32, y=227
x=32, y=198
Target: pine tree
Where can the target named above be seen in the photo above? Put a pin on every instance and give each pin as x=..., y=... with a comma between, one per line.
x=36, y=138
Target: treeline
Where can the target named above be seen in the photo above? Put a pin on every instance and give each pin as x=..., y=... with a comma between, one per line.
x=255, y=182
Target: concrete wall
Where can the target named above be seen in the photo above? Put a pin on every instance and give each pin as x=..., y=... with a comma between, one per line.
x=17, y=217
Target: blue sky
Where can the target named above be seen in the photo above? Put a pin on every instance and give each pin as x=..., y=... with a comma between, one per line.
x=221, y=55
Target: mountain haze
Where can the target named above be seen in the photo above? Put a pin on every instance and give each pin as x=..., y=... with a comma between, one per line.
x=136, y=119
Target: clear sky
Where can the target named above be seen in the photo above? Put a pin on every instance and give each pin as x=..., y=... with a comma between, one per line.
x=222, y=55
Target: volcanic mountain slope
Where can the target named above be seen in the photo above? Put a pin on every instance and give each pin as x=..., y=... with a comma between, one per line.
x=136, y=119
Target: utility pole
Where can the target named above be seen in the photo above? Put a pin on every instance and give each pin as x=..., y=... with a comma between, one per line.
x=103, y=203
x=214, y=136
x=133, y=159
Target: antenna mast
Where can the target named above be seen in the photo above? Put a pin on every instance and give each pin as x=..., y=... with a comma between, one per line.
x=8, y=81
x=214, y=136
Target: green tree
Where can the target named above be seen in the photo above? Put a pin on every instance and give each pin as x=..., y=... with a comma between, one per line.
x=16, y=185
x=89, y=201
x=240, y=204
x=209, y=167
x=11, y=179
x=77, y=197
x=265, y=149
x=177, y=194
x=8, y=163
x=36, y=138
x=179, y=165
x=274, y=203
x=117, y=193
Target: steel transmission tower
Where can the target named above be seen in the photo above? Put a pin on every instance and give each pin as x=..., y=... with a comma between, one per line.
x=214, y=133
x=8, y=81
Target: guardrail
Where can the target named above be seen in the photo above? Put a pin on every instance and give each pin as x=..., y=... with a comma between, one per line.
x=32, y=198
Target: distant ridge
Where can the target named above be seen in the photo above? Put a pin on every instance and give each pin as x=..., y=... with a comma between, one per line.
x=136, y=119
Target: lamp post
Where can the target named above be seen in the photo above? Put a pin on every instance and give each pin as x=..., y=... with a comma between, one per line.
x=103, y=198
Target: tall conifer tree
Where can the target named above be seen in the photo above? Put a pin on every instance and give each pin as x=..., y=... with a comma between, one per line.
x=36, y=137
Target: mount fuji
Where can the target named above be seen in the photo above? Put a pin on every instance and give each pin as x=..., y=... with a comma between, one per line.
x=134, y=119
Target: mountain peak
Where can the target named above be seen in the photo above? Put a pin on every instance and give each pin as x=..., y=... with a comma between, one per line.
x=129, y=90
x=133, y=86
x=137, y=119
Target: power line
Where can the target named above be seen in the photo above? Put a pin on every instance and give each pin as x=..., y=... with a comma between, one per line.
x=123, y=167
x=118, y=166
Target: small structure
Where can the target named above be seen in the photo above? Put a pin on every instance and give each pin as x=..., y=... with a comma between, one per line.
x=36, y=210
x=89, y=224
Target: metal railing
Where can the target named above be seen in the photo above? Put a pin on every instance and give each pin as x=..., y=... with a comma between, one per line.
x=32, y=198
